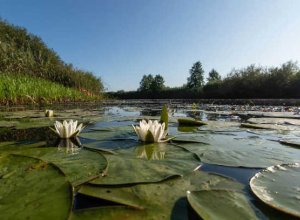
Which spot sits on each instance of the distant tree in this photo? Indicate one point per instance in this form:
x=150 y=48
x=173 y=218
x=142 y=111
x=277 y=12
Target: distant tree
x=145 y=84
x=196 y=78
x=157 y=84
x=213 y=76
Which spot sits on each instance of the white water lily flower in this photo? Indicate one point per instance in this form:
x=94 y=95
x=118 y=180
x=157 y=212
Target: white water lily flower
x=67 y=129
x=151 y=131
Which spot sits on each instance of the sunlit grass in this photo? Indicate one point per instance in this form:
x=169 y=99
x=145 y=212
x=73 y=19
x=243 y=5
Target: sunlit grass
x=22 y=89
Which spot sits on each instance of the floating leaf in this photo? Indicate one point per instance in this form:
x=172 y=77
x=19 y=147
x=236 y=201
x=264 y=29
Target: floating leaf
x=190 y=122
x=277 y=121
x=221 y=126
x=221 y=204
x=241 y=152
x=33 y=189
x=292 y=142
x=79 y=167
x=162 y=200
x=12 y=147
x=279 y=187
x=183 y=140
x=128 y=167
x=266 y=126
x=110 y=213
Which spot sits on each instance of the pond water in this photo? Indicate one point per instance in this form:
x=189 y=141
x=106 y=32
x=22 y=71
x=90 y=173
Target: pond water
x=107 y=173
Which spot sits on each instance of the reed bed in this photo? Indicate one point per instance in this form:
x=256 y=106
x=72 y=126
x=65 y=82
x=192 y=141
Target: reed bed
x=22 y=89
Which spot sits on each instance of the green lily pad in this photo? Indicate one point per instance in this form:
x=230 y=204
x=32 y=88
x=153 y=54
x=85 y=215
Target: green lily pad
x=190 y=122
x=221 y=204
x=33 y=189
x=279 y=187
x=8 y=124
x=292 y=142
x=110 y=213
x=187 y=139
x=132 y=165
x=186 y=128
x=266 y=126
x=241 y=152
x=221 y=126
x=259 y=114
x=13 y=147
x=277 y=121
x=155 y=200
x=78 y=165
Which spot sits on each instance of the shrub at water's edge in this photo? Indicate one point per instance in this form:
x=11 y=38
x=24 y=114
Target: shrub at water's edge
x=22 y=53
x=22 y=89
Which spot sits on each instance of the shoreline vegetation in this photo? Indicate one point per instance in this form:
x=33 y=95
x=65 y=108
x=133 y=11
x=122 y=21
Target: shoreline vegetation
x=21 y=89
x=252 y=82
x=32 y=73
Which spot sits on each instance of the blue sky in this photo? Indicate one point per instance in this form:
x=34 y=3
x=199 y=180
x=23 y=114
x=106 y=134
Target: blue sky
x=121 y=40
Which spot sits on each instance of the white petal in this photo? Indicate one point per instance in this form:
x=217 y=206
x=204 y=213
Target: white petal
x=142 y=134
x=79 y=128
x=158 y=134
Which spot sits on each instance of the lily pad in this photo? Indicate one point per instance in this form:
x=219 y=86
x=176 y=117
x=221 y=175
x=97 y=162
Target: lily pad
x=33 y=189
x=12 y=147
x=292 y=142
x=110 y=213
x=79 y=166
x=190 y=122
x=221 y=126
x=131 y=166
x=278 y=121
x=221 y=204
x=266 y=126
x=241 y=152
x=279 y=187
x=156 y=200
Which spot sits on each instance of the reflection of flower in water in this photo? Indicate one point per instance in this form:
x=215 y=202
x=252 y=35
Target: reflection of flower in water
x=69 y=146
x=151 y=152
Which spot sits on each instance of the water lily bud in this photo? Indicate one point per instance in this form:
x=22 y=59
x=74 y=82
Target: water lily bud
x=49 y=113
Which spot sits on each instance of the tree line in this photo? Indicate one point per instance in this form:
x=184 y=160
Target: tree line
x=250 y=82
x=26 y=54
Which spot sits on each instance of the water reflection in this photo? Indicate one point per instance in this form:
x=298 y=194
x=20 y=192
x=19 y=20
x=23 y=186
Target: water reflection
x=154 y=151
x=69 y=146
x=150 y=112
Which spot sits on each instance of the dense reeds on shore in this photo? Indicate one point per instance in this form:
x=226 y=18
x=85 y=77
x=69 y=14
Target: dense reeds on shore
x=22 y=89
x=29 y=70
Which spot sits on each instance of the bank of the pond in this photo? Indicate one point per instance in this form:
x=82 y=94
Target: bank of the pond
x=22 y=89
x=211 y=102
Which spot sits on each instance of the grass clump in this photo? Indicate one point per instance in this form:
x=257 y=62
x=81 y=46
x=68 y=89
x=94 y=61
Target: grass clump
x=22 y=89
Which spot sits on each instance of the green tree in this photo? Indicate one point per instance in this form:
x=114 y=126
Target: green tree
x=196 y=78
x=213 y=76
x=157 y=84
x=145 y=83
x=152 y=84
